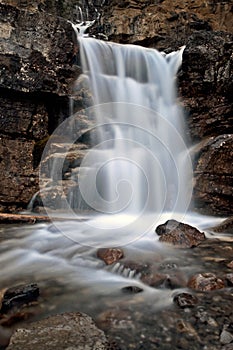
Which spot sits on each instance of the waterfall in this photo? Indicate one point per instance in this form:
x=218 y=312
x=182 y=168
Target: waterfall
x=138 y=161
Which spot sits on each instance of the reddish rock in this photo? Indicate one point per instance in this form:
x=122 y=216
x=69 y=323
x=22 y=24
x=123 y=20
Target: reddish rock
x=110 y=255
x=205 y=282
x=179 y=234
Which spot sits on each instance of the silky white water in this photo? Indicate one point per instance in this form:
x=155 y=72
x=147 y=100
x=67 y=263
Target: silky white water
x=139 y=161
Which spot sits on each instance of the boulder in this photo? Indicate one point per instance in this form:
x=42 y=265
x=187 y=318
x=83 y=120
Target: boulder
x=205 y=282
x=75 y=331
x=180 y=235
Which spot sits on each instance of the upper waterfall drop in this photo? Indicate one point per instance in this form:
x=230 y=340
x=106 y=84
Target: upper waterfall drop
x=139 y=161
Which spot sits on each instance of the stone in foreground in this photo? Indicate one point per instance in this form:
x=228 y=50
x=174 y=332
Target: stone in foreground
x=179 y=234
x=74 y=331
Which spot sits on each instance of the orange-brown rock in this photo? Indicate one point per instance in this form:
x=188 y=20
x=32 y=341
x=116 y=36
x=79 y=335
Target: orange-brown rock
x=205 y=282
x=110 y=255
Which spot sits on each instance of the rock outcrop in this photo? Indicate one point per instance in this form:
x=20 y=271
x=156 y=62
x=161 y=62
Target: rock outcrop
x=36 y=72
x=214 y=176
x=160 y=23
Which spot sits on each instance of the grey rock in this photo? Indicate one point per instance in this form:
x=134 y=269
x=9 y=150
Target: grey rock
x=67 y=331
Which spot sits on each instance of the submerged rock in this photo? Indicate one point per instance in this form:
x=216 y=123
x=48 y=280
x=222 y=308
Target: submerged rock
x=179 y=234
x=74 y=331
x=205 y=282
x=110 y=255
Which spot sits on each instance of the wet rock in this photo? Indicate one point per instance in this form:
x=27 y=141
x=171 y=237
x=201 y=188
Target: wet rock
x=226 y=337
x=155 y=279
x=179 y=234
x=172 y=280
x=5 y=335
x=184 y=300
x=213 y=176
x=17 y=296
x=229 y=279
x=230 y=264
x=227 y=347
x=225 y=227
x=186 y=327
x=132 y=289
x=205 y=282
x=66 y=331
x=110 y=255
x=139 y=22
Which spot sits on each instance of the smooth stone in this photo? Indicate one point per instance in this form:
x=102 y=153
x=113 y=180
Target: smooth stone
x=180 y=235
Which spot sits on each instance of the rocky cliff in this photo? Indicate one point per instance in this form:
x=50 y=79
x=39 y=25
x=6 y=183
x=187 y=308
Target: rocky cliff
x=37 y=71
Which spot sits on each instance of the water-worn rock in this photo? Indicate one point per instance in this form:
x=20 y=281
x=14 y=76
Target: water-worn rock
x=226 y=337
x=225 y=226
x=74 y=331
x=17 y=296
x=179 y=234
x=110 y=255
x=184 y=300
x=205 y=282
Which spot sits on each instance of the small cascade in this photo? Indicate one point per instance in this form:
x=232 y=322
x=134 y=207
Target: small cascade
x=86 y=14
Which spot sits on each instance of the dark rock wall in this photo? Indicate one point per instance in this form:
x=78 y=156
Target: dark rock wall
x=37 y=71
x=36 y=76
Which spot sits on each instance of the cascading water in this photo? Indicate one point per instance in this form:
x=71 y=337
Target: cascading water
x=140 y=161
